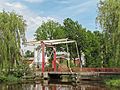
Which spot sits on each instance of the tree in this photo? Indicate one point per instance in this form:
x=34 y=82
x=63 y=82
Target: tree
x=93 y=49
x=88 y=42
x=49 y=30
x=29 y=53
x=74 y=31
x=109 y=20
x=12 y=30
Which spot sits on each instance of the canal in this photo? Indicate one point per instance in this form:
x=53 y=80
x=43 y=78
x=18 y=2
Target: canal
x=57 y=86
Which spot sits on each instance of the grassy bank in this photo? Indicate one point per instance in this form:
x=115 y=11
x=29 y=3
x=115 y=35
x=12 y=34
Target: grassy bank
x=14 y=75
x=115 y=82
x=9 y=79
x=112 y=80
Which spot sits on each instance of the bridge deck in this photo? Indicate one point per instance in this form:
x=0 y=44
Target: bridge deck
x=63 y=73
x=86 y=73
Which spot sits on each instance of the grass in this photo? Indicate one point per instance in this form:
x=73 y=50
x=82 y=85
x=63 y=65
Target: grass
x=9 y=79
x=112 y=80
x=115 y=82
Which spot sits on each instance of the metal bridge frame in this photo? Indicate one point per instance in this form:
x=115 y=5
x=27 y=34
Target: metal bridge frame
x=50 y=43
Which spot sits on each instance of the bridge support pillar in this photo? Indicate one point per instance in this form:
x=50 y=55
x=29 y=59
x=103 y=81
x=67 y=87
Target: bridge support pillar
x=45 y=75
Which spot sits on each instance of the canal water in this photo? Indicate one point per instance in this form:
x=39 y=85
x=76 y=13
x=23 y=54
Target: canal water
x=57 y=86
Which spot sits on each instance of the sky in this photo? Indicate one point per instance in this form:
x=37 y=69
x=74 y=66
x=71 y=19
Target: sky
x=37 y=11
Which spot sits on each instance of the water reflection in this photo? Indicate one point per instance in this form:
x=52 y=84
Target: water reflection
x=80 y=86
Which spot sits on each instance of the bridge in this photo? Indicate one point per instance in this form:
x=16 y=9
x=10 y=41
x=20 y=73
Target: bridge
x=58 y=69
x=78 y=74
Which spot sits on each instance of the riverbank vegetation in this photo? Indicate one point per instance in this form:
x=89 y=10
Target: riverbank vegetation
x=12 y=32
x=109 y=21
x=113 y=80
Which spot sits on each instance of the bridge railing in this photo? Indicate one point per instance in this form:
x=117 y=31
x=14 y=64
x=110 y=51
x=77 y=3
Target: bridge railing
x=78 y=69
x=96 y=69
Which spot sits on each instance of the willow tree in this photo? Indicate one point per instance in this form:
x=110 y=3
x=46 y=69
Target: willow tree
x=109 y=20
x=12 y=31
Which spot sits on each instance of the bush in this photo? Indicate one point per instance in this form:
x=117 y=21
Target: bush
x=113 y=82
x=9 y=78
x=3 y=78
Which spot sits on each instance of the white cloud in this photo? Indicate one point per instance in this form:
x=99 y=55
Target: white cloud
x=15 y=5
x=81 y=7
x=34 y=1
x=77 y=8
x=35 y=22
x=32 y=19
x=10 y=6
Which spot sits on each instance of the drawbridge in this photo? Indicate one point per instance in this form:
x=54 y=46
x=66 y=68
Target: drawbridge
x=41 y=59
x=57 y=69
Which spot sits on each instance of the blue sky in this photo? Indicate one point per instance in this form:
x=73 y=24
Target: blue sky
x=37 y=11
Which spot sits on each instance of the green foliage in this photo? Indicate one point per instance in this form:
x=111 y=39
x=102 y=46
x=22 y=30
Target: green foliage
x=9 y=78
x=14 y=75
x=88 y=42
x=101 y=49
x=93 y=49
x=3 y=78
x=112 y=80
x=49 y=30
x=29 y=53
x=109 y=20
x=12 y=30
x=74 y=31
